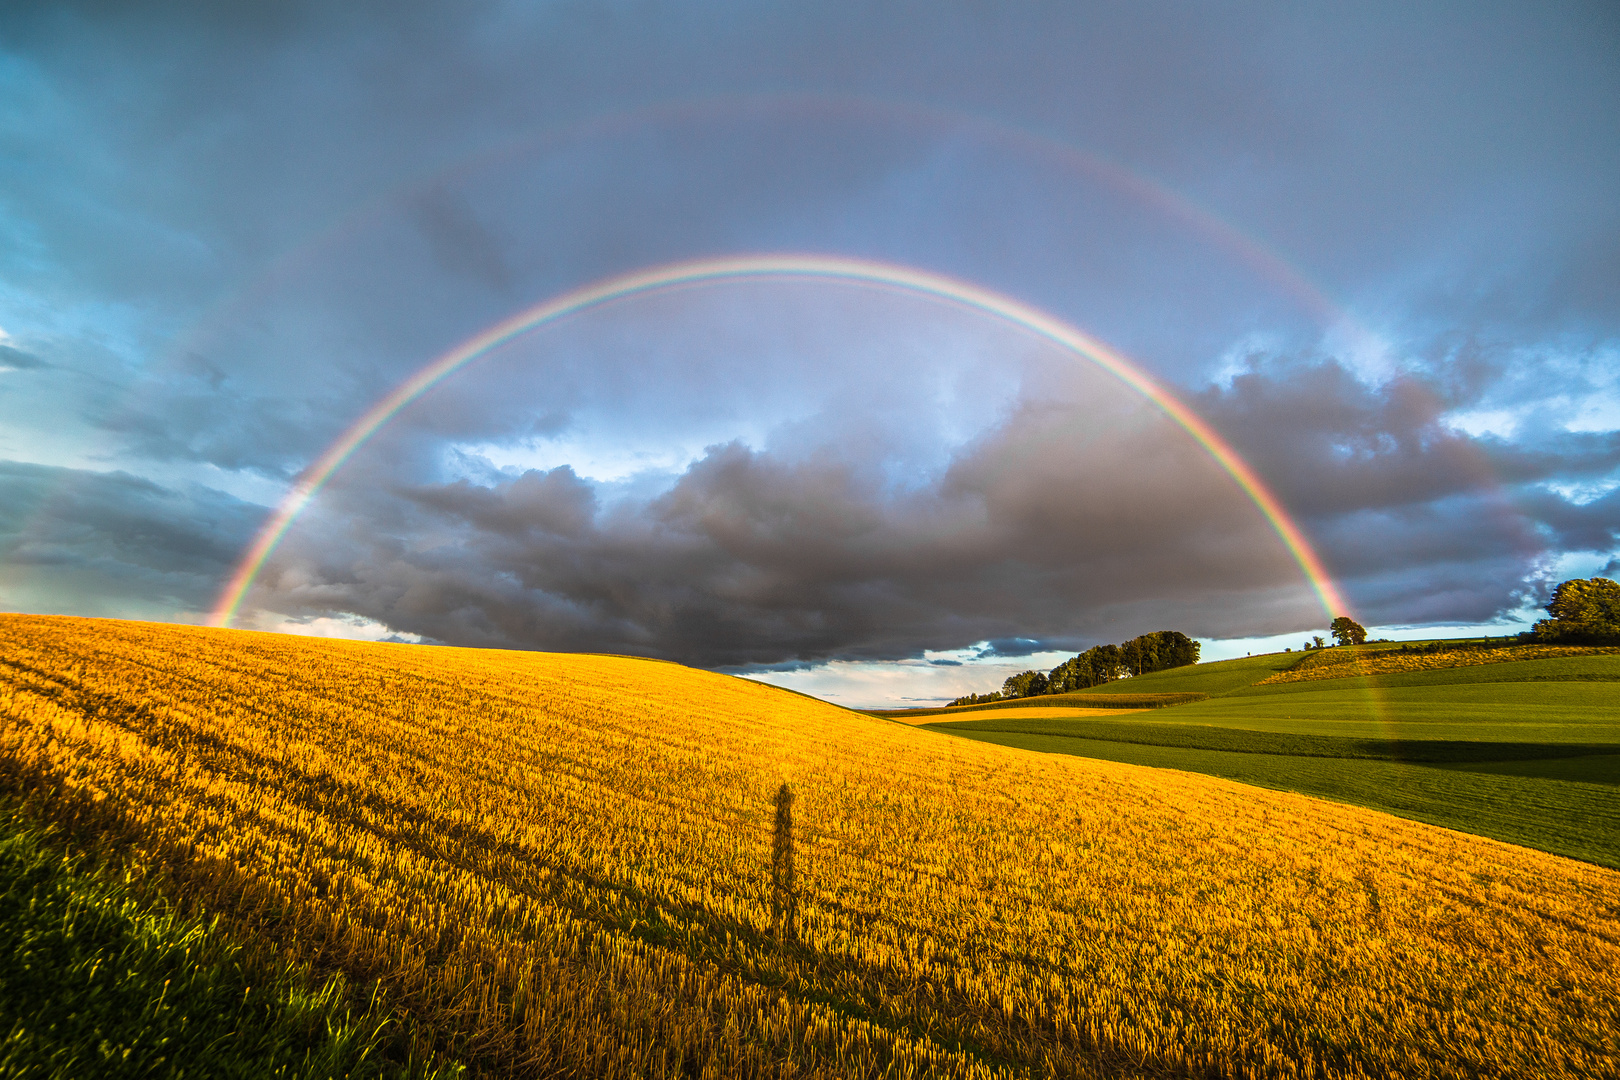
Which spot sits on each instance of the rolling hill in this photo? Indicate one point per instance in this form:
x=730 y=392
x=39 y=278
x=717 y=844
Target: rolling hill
x=563 y=864
x=1523 y=750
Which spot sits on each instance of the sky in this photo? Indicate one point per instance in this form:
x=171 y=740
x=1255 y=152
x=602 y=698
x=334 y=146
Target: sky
x=1374 y=247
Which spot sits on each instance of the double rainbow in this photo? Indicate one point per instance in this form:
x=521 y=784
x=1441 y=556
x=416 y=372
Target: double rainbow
x=854 y=271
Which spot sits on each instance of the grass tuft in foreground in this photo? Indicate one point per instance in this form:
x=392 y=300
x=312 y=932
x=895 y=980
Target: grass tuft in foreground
x=96 y=980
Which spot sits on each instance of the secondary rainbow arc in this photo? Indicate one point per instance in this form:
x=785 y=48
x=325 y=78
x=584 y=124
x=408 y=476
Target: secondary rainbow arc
x=696 y=271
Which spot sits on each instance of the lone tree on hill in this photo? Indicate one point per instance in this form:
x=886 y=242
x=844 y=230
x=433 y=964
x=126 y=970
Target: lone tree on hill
x=1584 y=611
x=1346 y=631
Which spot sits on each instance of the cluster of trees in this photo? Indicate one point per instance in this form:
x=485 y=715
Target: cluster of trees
x=1584 y=612
x=1097 y=665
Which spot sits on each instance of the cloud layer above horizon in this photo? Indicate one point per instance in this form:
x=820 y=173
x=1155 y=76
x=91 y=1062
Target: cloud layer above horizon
x=1376 y=249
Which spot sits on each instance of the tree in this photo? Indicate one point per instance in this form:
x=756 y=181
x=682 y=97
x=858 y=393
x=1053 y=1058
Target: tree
x=1585 y=611
x=1134 y=652
x=1073 y=674
x=1346 y=631
x=1097 y=665
x=1024 y=684
x=1107 y=663
x=1100 y=664
x=1138 y=656
x=1176 y=649
x=1157 y=651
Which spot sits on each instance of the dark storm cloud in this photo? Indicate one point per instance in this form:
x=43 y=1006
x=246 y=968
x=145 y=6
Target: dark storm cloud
x=114 y=544
x=1011 y=648
x=1058 y=527
x=460 y=242
x=270 y=435
x=1331 y=444
x=1032 y=539
x=1575 y=526
x=238 y=225
x=1423 y=522
x=213 y=134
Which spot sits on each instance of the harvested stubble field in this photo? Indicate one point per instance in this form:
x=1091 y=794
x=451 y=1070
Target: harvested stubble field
x=561 y=864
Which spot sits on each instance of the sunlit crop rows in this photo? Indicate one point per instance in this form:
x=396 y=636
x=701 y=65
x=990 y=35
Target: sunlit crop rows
x=563 y=863
x=1348 y=663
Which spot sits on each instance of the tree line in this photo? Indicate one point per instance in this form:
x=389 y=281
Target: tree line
x=1097 y=665
x=1583 y=612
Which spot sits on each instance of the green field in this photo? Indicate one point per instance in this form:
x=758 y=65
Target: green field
x=1085 y=699
x=99 y=980
x=1220 y=677
x=1527 y=751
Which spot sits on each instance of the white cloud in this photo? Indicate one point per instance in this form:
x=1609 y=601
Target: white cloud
x=1240 y=356
x=1501 y=423
x=1581 y=492
x=599 y=460
x=902 y=684
x=1599 y=412
x=351 y=627
x=1368 y=356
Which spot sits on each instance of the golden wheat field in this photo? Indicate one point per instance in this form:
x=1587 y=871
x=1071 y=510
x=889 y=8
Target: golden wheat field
x=1348 y=663
x=562 y=864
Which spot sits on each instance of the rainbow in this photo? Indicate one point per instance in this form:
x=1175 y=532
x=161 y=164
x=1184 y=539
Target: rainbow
x=697 y=271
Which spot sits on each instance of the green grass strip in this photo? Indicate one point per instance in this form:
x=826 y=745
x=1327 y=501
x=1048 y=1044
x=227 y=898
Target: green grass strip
x=97 y=981
x=1237 y=740
x=1078 y=700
